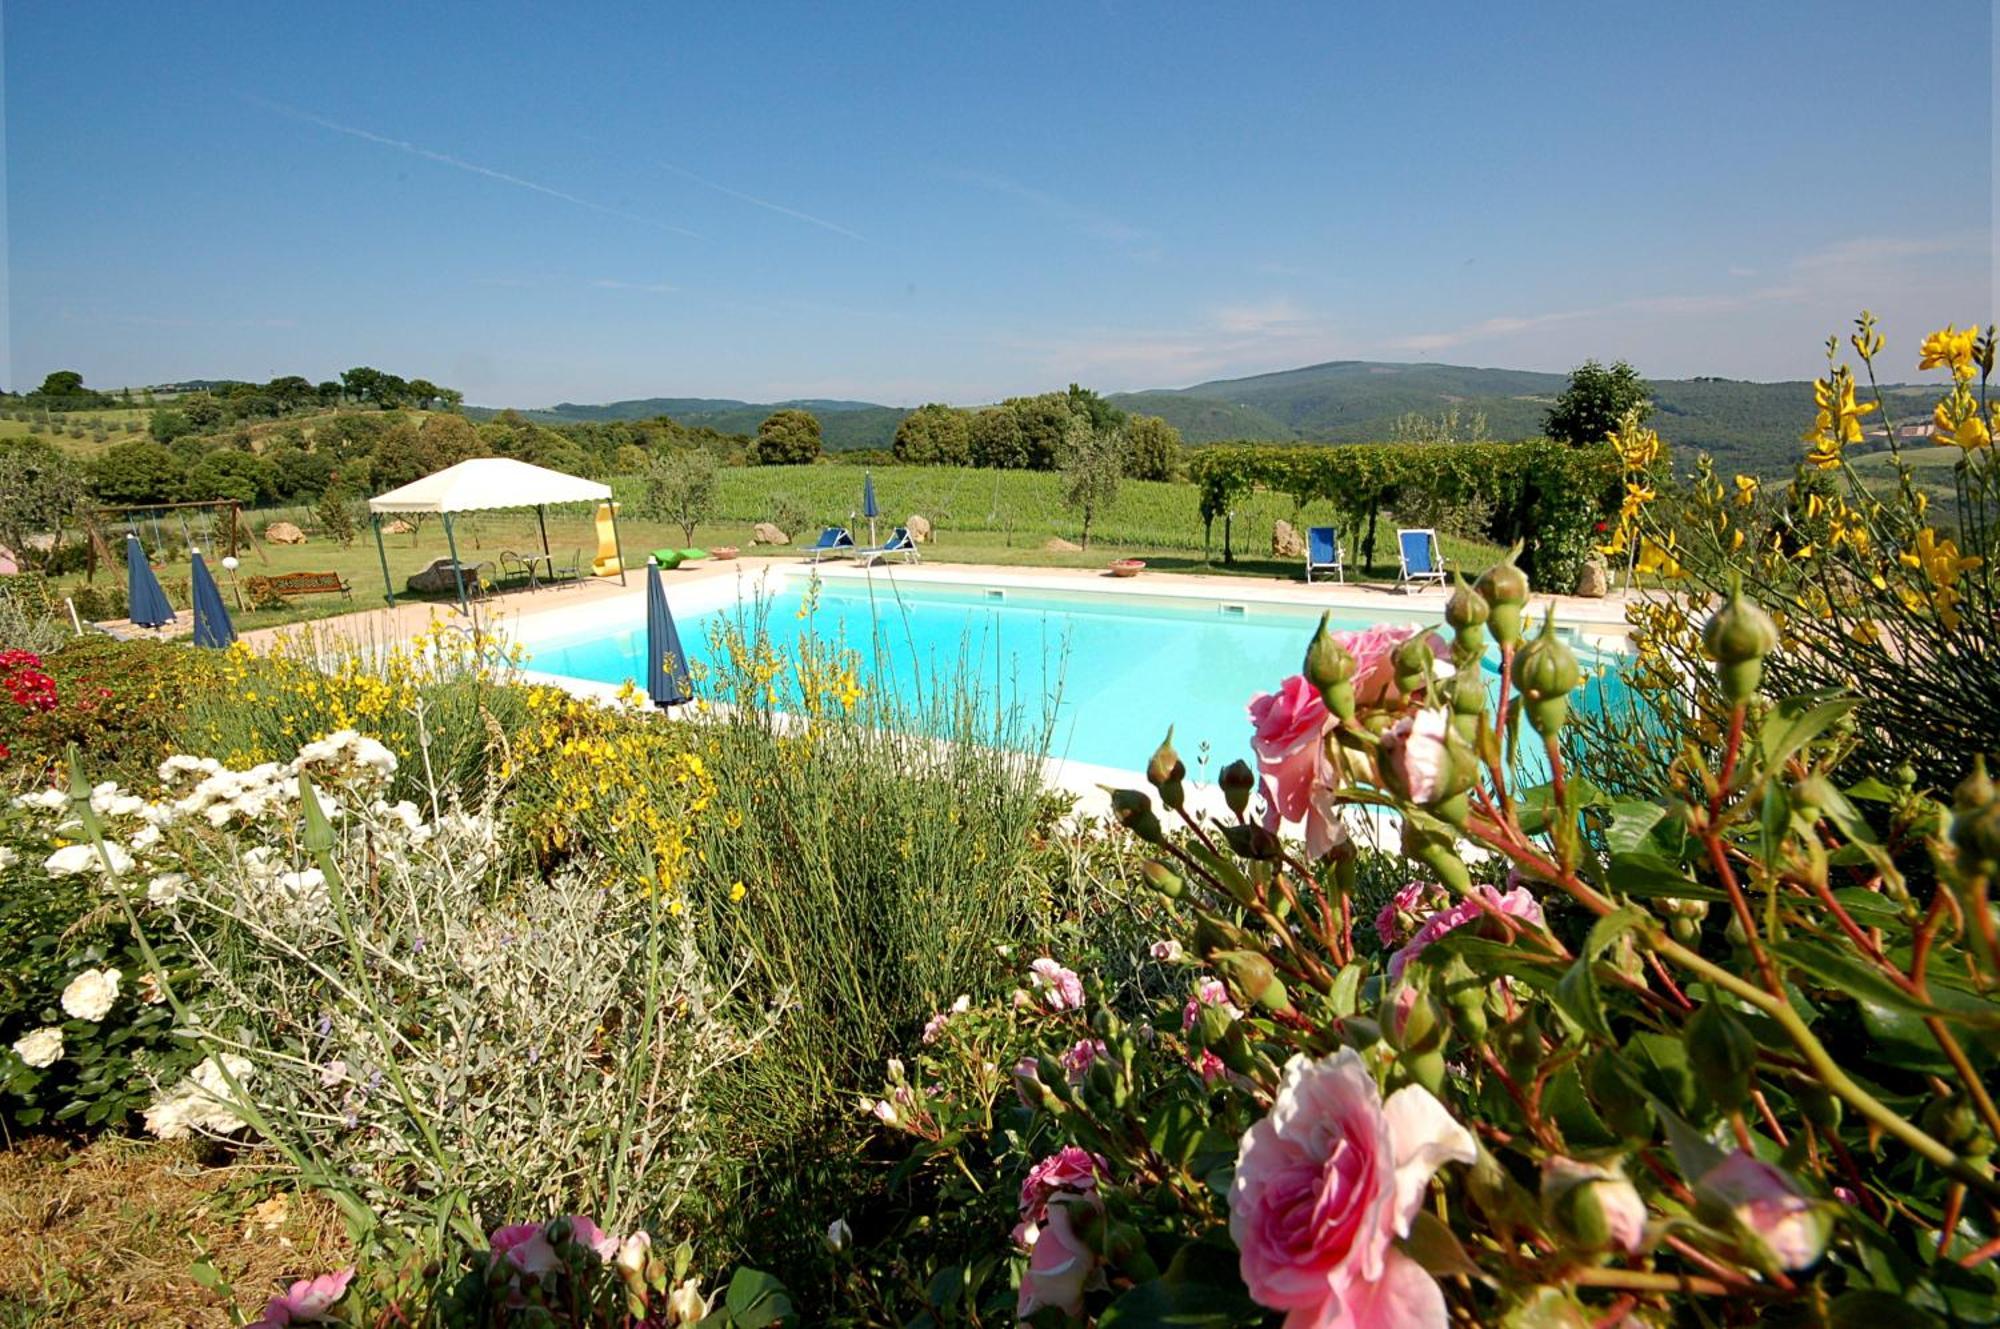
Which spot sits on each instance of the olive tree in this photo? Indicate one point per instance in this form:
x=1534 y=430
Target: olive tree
x=1092 y=461
x=681 y=488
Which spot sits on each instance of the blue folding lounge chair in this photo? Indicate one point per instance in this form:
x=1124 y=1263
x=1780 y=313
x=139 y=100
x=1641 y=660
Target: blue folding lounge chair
x=1422 y=561
x=834 y=542
x=1323 y=552
x=900 y=544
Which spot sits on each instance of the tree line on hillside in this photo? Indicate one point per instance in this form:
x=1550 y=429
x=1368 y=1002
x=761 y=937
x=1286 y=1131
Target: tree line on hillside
x=1031 y=433
x=373 y=438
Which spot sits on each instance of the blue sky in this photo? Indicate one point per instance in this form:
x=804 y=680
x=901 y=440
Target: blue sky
x=535 y=203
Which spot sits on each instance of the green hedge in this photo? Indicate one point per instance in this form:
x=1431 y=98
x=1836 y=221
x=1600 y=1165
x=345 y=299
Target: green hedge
x=1548 y=495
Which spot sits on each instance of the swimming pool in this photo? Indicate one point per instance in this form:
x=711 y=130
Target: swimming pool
x=1117 y=668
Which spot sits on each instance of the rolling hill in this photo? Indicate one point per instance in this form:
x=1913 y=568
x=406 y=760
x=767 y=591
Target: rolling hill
x=1746 y=426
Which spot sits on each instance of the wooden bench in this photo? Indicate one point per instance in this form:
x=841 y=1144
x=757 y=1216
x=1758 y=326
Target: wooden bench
x=297 y=583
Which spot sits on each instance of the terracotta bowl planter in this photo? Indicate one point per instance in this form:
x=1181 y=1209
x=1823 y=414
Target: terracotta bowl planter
x=1128 y=567
x=723 y=552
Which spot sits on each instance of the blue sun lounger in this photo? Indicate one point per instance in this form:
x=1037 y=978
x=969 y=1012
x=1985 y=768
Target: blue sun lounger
x=834 y=542
x=1323 y=552
x=900 y=544
x=1421 y=558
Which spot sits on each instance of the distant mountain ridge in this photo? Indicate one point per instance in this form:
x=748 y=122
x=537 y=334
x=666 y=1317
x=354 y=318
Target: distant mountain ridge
x=1746 y=426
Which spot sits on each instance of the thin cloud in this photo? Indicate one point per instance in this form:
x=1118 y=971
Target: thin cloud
x=1503 y=325
x=780 y=208
x=650 y=287
x=1078 y=217
x=459 y=163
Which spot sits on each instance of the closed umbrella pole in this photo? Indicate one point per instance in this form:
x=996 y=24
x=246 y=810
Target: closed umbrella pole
x=149 y=607
x=868 y=505
x=212 y=627
x=667 y=680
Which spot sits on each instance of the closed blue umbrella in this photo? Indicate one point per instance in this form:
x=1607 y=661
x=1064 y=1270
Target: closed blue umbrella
x=142 y=589
x=868 y=508
x=667 y=681
x=211 y=616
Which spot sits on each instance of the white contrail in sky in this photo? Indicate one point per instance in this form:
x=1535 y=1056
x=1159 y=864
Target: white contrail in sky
x=835 y=227
x=446 y=159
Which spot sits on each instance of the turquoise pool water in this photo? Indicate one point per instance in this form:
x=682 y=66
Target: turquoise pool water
x=1117 y=669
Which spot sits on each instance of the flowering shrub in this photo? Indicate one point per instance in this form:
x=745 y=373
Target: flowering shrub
x=116 y=701
x=455 y=1048
x=440 y=701
x=1879 y=573
x=82 y=1035
x=1597 y=1091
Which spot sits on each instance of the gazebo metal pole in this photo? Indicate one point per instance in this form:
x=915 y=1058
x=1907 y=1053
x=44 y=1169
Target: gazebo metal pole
x=618 y=542
x=542 y=520
x=457 y=568
x=388 y=587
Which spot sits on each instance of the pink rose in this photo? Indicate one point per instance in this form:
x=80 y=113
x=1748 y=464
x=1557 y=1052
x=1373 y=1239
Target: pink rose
x=1374 y=652
x=1069 y=1169
x=1768 y=1207
x=1060 y=987
x=585 y=1232
x=1325 y=1183
x=305 y=1301
x=1400 y=914
x=1324 y=826
x=1208 y=992
x=1289 y=725
x=1061 y=1268
x=1516 y=903
x=1077 y=1058
x=525 y=1247
x=1417 y=760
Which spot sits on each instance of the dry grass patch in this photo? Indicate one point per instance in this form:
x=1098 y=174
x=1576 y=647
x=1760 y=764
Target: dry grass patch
x=107 y=1233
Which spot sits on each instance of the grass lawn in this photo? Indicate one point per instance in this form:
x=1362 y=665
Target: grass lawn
x=1001 y=517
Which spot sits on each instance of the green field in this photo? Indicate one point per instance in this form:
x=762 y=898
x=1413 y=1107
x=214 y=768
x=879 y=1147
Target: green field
x=1001 y=517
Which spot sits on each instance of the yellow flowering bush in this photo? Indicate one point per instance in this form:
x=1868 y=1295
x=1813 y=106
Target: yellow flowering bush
x=438 y=700
x=1875 y=587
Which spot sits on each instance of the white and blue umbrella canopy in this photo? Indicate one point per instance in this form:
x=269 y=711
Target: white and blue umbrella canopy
x=667 y=681
x=868 y=507
x=142 y=589
x=211 y=616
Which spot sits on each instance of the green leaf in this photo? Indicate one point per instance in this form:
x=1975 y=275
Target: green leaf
x=1843 y=973
x=1693 y=1154
x=1200 y=1289
x=756 y=1299
x=1436 y=1247
x=1874 y=790
x=1576 y=996
x=1796 y=722
x=1631 y=825
x=1870 y=1309
x=1650 y=878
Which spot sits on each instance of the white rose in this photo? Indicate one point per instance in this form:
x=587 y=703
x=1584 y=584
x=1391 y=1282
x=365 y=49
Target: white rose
x=72 y=859
x=8 y=858
x=40 y=1048
x=91 y=993
x=166 y=888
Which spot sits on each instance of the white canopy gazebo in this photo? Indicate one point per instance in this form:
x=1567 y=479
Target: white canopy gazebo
x=486 y=484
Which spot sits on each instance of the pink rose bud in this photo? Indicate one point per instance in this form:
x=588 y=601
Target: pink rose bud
x=1777 y=1220
x=1592 y=1208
